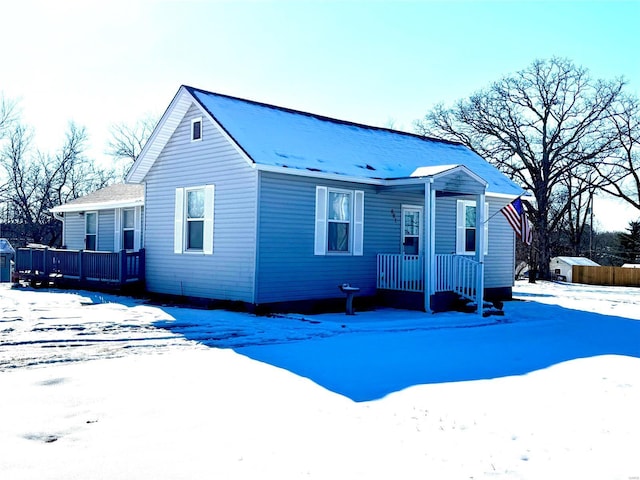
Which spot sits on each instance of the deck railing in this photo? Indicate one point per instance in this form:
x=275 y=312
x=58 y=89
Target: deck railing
x=453 y=273
x=81 y=265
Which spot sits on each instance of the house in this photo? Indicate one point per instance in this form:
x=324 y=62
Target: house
x=7 y=254
x=631 y=265
x=109 y=219
x=562 y=267
x=102 y=236
x=276 y=208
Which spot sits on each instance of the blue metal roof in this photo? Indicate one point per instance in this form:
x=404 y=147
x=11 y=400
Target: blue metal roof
x=281 y=137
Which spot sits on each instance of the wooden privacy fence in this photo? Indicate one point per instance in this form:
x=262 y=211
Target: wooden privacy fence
x=617 y=276
x=38 y=264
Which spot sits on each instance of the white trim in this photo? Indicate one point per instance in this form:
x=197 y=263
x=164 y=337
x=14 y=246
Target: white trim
x=86 y=215
x=207 y=234
x=186 y=220
x=137 y=230
x=180 y=231
x=358 y=223
x=160 y=135
x=193 y=122
x=380 y=182
x=438 y=171
x=178 y=221
x=420 y=209
x=461 y=228
x=320 y=235
x=123 y=228
x=108 y=205
x=167 y=125
x=350 y=221
x=117 y=235
x=429 y=244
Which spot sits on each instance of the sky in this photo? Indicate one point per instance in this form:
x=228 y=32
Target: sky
x=382 y=63
x=548 y=390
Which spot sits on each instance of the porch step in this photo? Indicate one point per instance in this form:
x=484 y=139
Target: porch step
x=488 y=308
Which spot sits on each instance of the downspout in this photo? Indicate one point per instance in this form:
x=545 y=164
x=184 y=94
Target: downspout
x=429 y=244
x=60 y=217
x=480 y=247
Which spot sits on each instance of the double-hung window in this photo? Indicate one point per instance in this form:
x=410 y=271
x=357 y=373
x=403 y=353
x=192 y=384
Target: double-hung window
x=195 y=219
x=339 y=221
x=128 y=228
x=467 y=229
x=91 y=231
x=193 y=226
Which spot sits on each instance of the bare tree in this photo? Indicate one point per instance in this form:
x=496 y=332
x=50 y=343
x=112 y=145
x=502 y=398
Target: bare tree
x=575 y=231
x=36 y=182
x=537 y=126
x=127 y=141
x=621 y=170
x=8 y=114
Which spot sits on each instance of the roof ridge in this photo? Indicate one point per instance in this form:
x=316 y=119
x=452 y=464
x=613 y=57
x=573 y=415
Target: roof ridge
x=323 y=117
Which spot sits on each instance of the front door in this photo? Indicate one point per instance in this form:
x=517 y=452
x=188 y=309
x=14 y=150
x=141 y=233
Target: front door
x=411 y=245
x=411 y=230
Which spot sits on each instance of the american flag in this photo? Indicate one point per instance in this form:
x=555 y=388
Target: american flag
x=517 y=218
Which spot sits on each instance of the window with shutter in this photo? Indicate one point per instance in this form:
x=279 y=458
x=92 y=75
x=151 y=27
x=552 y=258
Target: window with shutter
x=339 y=221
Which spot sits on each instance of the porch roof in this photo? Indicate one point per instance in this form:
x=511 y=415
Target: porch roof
x=119 y=195
x=454 y=179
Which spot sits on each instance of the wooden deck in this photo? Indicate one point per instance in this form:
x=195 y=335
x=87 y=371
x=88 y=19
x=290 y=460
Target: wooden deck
x=83 y=268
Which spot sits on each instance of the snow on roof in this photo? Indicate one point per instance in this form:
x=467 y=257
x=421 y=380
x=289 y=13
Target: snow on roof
x=631 y=265
x=581 y=261
x=281 y=137
x=113 y=196
x=5 y=246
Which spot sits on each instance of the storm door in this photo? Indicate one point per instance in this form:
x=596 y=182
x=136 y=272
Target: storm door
x=412 y=245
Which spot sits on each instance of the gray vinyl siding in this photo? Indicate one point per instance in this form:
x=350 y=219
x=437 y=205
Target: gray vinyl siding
x=287 y=267
x=289 y=270
x=106 y=230
x=228 y=274
x=73 y=231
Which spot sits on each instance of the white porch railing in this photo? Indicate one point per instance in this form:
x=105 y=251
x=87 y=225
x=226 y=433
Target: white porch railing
x=453 y=273
x=401 y=272
x=457 y=273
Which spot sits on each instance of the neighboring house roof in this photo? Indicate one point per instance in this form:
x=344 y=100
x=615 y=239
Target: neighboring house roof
x=580 y=261
x=114 y=196
x=631 y=265
x=291 y=141
x=5 y=246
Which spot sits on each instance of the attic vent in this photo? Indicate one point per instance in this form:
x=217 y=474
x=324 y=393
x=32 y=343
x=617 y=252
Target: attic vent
x=196 y=129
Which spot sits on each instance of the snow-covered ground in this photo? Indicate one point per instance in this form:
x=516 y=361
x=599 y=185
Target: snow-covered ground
x=106 y=387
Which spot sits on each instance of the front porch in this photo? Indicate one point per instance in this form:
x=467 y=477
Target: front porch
x=458 y=274
x=441 y=256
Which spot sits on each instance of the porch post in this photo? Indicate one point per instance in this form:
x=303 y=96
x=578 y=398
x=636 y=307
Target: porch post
x=429 y=242
x=481 y=227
